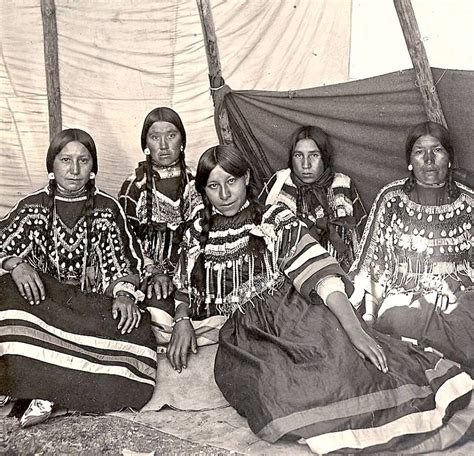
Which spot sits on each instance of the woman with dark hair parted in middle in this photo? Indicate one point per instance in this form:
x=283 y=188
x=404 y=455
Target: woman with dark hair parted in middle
x=159 y=198
x=292 y=357
x=325 y=200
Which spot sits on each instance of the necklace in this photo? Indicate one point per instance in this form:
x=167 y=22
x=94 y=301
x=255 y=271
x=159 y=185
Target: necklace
x=167 y=172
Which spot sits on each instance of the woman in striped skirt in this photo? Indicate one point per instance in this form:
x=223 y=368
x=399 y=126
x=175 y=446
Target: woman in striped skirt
x=293 y=357
x=71 y=329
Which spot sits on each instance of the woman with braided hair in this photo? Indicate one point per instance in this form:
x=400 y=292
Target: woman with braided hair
x=415 y=268
x=159 y=199
x=293 y=357
x=71 y=330
x=327 y=201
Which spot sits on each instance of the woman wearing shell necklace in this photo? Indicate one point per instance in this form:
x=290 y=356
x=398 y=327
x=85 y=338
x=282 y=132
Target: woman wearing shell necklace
x=71 y=330
x=159 y=198
x=293 y=358
x=415 y=266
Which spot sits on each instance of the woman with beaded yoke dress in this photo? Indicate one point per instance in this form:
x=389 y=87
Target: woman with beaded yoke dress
x=416 y=263
x=159 y=199
x=327 y=201
x=71 y=330
x=293 y=358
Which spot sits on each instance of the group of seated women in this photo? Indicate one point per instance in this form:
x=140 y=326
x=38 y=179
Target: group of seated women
x=88 y=281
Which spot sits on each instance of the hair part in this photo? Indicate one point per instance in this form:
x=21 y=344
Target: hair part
x=321 y=139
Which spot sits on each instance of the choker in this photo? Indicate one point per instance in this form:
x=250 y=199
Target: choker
x=167 y=172
x=421 y=184
x=67 y=194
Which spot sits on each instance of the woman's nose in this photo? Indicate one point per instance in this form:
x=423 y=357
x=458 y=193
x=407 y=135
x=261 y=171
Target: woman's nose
x=224 y=193
x=74 y=167
x=429 y=156
x=306 y=163
x=163 y=143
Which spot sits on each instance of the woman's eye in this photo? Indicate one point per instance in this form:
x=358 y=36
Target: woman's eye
x=65 y=159
x=171 y=135
x=84 y=160
x=231 y=180
x=297 y=155
x=212 y=186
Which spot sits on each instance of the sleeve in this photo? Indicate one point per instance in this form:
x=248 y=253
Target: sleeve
x=372 y=268
x=359 y=213
x=128 y=198
x=304 y=261
x=121 y=256
x=17 y=231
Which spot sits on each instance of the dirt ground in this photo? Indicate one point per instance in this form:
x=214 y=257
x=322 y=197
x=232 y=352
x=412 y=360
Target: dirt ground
x=93 y=435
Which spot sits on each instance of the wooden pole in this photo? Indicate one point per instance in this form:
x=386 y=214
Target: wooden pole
x=215 y=74
x=424 y=76
x=51 y=60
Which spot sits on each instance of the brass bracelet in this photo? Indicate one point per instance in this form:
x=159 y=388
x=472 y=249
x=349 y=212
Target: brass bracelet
x=16 y=264
x=126 y=294
x=181 y=319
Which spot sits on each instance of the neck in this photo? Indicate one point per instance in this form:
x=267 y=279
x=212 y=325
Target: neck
x=424 y=185
x=71 y=193
x=430 y=195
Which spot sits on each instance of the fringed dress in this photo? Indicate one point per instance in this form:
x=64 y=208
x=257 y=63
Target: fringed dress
x=415 y=261
x=333 y=211
x=159 y=237
x=68 y=349
x=286 y=364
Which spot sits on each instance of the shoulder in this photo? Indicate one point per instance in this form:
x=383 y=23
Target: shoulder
x=33 y=202
x=278 y=214
x=135 y=182
x=390 y=192
x=465 y=190
x=106 y=202
x=341 y=180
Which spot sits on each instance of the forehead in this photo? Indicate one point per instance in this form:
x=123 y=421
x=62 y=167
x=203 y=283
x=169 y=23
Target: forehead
x=306 y=145
x=74 y=148
x=426 y=141
x=162 y=127
x=218 y=174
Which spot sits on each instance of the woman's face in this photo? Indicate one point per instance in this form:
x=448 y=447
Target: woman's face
x=72 y=166
x=164 y=141
x=307 y=161
x=430 y=160
x=226 y=192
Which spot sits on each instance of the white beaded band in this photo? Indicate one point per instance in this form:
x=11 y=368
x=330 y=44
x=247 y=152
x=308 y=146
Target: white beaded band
x=181 y=319
x=128 y=288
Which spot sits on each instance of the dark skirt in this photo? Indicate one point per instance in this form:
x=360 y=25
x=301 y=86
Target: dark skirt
x=452 y=334
x=68 y=350
x=290 y=369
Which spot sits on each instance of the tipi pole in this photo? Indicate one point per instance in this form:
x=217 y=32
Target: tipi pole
x=50 y=41
x=424 y=76
x=215 y=74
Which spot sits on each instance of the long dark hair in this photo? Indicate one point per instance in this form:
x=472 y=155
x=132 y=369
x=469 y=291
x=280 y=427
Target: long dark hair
x=59 y=141
x=163 y=114
x=318 y=136
x=232 y=162
x=441 y=133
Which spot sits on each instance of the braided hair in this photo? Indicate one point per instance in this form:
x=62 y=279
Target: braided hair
x=163 y=114
x=439 y=132
x=57 y=144
x=234 y=163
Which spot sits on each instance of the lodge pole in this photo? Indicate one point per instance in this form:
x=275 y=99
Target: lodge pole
x=215 y=74
x=51 y=61
x=421 y=65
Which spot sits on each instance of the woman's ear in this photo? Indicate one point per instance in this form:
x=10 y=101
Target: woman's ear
x=247 y=177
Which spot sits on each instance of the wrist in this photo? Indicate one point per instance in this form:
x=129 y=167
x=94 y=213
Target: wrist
x=125 y=294
x=181 y=319
x=11 y=267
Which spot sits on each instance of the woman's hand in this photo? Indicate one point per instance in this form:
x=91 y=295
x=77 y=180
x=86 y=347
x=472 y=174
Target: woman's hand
x=367 y=347
x=129 y=312
x=27 y=281
x=183 y=338
x=162 y=284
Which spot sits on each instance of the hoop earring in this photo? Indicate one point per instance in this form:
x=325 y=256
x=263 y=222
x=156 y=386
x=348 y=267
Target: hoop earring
x=92 y=176
x=147 y=151
x=51 y=176
x=410 y=167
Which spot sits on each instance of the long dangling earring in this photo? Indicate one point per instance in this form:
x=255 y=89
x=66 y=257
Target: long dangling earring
x=410 y=167
x=147 y=151
x=92 y=175
x=51 y=176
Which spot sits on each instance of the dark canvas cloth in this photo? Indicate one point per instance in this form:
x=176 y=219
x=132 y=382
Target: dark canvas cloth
x=367 y=120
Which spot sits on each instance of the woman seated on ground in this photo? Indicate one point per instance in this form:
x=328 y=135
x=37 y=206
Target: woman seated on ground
x=293 y=366
x=158 y=199
x=72 y=333
x=415 y=265
x=326 y=201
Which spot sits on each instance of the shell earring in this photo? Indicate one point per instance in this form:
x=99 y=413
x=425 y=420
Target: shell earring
x=92 y=176
x=51 y=176
x=181 y=148
x=146 y=151
x=449 y=165
x=410 y=167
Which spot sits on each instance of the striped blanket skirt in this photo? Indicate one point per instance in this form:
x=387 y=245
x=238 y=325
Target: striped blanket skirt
x=68 y=350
